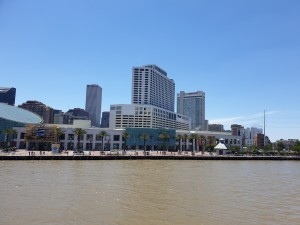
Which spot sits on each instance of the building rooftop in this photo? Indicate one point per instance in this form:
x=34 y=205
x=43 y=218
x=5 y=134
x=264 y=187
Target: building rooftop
x=13 y=113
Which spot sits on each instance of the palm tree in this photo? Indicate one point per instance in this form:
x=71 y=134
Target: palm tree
x=125 y=136
x=193 y=137
x=58 y=132
x=79 y=132
x=211 y=141
x=102 y=134
x=9 y=134
x=202 y=140
x=165 y=137
x=185 y=137
x=179 y=137
x=144 y=137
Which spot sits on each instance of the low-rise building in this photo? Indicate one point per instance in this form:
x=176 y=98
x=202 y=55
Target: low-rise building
x=146 y=116
x=113 y=139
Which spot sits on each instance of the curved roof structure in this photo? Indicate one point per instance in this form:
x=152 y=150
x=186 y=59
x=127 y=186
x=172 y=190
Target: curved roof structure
x=16 y=114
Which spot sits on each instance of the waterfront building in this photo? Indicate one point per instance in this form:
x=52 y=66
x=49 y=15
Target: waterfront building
x=12 y=117
x=151 y=140
x=93 y=103
x=105 y=120
x=152 y=86
x=146 y=116
x=192 y=104
x=7 y=95
x=113 y=140
x=40 y=109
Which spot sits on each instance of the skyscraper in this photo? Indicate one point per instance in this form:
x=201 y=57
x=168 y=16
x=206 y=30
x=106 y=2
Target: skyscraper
x=192 y=105
x=8 y=95
x=151 y=86
x=105 y=120
x=93 y=103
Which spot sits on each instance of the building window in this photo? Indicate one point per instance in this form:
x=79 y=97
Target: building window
x=116 y=137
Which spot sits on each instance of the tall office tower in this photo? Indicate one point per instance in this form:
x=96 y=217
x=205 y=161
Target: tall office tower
x=105 y=120
x=93 y=103
x=193 y=105
x=40 y=109
x=151 y=86
x=8 y=95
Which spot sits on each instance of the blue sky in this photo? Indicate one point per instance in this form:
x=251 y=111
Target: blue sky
x=245 y=55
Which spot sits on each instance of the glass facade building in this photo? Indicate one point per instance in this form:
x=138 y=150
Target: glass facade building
x=192 y=105
x=152 y=141
x=105 y=120
x=11 y=116
x=93 y=103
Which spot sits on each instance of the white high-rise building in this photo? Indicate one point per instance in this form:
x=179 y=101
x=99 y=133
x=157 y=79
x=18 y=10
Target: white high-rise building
x=250 y=134
x=192 y=104
x=93 y=103
x=151 y=86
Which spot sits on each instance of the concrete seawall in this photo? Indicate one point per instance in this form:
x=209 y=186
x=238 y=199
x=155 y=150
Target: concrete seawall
x=130 y=157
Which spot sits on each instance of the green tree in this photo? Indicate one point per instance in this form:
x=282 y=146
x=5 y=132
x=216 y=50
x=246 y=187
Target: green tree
x=9 y=136
x=280 y=146
x=164 y=137
x=102 y=134
x=235 y=149
x=179 y=137
x=202 y=143
x=296 y=147
x=125 y=136
x=58 y=132
x=211 y=145
x=80 y=133
x=144 y=137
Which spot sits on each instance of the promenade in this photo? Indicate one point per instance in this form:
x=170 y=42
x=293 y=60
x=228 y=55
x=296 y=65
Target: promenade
x=21 y=154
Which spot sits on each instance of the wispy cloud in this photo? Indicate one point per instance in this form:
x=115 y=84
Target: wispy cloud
x=245 y=120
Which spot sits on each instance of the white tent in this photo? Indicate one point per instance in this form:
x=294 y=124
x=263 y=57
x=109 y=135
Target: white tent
x=221 y=148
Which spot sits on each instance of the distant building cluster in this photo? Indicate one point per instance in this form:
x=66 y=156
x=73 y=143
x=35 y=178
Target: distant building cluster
x=152 y=107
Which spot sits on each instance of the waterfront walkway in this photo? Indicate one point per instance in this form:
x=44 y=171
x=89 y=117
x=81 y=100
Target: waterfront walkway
x=21 y=154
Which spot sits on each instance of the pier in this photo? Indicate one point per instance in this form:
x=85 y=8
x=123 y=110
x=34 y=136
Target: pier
x=132 y=155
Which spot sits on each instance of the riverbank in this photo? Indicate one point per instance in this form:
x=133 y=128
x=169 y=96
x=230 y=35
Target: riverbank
x=131 y=155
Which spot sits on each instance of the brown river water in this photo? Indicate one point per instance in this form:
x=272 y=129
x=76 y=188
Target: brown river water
x=144 y=192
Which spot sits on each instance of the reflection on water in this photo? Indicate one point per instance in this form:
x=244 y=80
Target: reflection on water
x=149 y=192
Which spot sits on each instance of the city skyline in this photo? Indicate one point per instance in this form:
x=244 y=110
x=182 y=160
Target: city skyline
x=243 y=55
